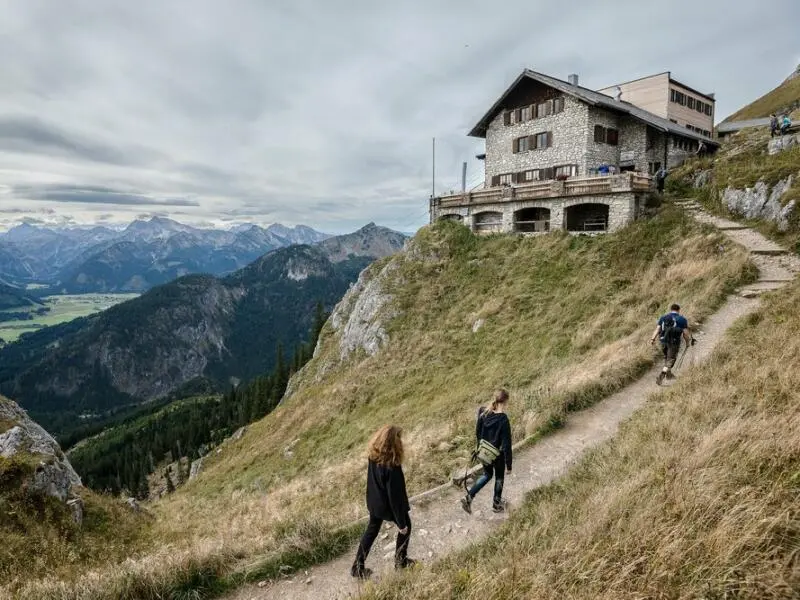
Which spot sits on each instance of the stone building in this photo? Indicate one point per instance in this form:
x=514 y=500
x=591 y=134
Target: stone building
x=561 y=156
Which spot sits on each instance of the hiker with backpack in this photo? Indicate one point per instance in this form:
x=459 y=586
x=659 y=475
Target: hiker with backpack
x=493 y=432
x=387 y=499
x=671 y=329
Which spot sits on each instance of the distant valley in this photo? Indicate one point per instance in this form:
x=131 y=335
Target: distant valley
x=197 y=333
x=144 y=254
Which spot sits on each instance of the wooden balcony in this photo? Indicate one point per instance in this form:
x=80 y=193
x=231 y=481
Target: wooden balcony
x=577 y=186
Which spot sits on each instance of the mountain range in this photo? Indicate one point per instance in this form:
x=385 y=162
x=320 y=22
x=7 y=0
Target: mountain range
x=144 y=254
x=200 y=331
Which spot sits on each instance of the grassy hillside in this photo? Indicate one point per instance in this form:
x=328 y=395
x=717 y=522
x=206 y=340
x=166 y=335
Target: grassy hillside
x=695 y=498
x=38 y=536
x=741 y=162
x=564 y=322
x=785 y=97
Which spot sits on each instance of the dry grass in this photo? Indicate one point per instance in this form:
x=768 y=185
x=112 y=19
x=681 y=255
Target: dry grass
x=695 y=498
x=784 y=97
x=566 y=320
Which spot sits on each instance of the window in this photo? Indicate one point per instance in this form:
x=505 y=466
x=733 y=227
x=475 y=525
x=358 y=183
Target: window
x=507 y=118
x=543 y=109
x=708 y=109
x=565 y=171
x=690 y=102
x=677 y=97
x=653 y=167
x=542 y=140
x=521 y=144
x=526 y=113
x=606 y=135
x=506 y=179
x=674 y=121
x=700 y=106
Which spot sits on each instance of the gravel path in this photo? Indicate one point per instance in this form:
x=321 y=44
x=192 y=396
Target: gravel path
x=440 y=526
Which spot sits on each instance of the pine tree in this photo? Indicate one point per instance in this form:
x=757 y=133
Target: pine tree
x=181 y=477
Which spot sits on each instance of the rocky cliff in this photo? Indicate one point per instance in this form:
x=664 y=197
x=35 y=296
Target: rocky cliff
x=41 y=466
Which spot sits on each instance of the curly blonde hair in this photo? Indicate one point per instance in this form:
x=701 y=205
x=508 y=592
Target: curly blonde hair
x=386 y=446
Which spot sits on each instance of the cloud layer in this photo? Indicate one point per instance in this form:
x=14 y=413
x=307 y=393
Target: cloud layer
x=317 y=112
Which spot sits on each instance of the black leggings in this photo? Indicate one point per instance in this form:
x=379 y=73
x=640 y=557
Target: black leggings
x=373 y=529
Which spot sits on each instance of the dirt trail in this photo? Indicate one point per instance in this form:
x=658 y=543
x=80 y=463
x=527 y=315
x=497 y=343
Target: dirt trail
x=440 y=526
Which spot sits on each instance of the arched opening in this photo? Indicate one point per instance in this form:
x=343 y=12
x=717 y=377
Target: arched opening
x=452 y=217
x=587 y=217
x=536 y=219
x=487 y=222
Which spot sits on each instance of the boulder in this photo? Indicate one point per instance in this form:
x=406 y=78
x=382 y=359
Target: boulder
x=53 y=474
x=781 y=143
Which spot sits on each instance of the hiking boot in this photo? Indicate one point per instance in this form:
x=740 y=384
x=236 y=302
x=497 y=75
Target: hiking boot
x=405 y=564
x=660 y=378
x=360 y=572
x=466 y=504
x=670 y=376
x=500 y=506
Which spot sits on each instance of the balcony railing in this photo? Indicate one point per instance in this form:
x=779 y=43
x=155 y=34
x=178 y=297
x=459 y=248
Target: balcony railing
x=578 y=186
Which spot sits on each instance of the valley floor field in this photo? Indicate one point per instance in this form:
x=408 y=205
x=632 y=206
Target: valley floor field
x=439 y=525
x=62 y=309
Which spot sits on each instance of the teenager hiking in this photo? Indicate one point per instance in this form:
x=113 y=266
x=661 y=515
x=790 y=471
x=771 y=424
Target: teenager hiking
x=671 y=328
x=493 y=432
x=387 y=499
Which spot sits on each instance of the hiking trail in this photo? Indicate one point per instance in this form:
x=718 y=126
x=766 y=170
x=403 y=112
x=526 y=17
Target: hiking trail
x=439 y=526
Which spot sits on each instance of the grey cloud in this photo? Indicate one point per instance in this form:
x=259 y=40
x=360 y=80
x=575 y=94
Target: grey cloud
x=95 y=195
x=264 y=111
x=33 y=136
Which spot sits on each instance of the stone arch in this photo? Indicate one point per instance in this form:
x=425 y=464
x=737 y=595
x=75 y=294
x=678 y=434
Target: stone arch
x=451 y=217
x=488 y=221
x=532 y=219
x=586 y=216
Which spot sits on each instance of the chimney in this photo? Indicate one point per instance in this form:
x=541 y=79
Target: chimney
x=573 y=79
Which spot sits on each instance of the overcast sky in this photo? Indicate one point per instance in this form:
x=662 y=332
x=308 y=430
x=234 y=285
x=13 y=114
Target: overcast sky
x=318 y=112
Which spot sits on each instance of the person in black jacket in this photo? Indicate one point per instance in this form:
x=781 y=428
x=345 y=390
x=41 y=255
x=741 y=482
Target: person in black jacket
x=494 y=427
x=387 y=499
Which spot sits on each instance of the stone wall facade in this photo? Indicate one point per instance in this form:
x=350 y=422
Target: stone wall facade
x=623 y=208
x=596 y=153
x=569 y=141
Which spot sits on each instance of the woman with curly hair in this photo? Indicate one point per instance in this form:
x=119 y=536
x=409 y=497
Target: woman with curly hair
x=387 y=499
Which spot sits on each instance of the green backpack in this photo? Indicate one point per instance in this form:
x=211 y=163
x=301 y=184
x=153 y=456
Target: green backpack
x=487 y=453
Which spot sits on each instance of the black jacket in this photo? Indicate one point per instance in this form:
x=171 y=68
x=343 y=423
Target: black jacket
x=495 y=428
x=386 y=494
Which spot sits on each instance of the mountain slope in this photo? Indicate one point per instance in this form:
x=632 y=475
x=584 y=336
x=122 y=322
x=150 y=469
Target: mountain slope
x=696 y=497
x=420 y=340
x=198 y=327
x=144 y=254
x=784 y=98
x=14 y=297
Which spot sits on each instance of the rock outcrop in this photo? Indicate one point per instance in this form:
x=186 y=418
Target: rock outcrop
x=781 y=143
x=20 y=437
x=761 y=202
x=363 y=313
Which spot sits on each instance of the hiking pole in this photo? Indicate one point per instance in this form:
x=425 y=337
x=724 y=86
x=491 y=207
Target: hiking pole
x=685 y=351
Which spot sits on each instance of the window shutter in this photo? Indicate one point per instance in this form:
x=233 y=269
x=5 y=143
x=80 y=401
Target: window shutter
x=515 y=145
x=532 y=142
x=549 y=139
x=533 y=111
x=507 y=118
x=612 y=137
x=549 y=173
x=495 y=180
x=518 y=115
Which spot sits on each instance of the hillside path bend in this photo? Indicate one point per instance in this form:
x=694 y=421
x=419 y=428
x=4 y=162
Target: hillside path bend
x=439 y=524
